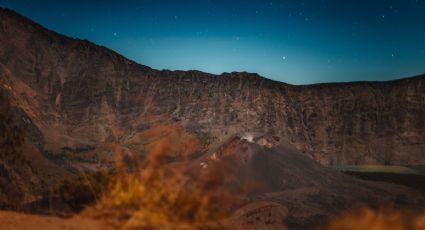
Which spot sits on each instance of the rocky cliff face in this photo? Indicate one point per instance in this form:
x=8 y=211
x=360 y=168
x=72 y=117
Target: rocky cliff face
x=80 y=95
x=75 y=97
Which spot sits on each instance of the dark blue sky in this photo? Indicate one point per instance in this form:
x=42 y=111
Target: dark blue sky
x=297 y=42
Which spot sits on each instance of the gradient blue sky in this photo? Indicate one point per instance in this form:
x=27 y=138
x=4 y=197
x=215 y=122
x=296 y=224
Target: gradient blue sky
x=298 y=42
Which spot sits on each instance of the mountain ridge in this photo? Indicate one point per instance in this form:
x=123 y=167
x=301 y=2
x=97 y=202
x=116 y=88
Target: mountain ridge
x=80 y=73
x=86 y=42
x=74 y=98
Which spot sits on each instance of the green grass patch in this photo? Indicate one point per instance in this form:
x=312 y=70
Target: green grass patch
x=410 y=176
x=413 y=170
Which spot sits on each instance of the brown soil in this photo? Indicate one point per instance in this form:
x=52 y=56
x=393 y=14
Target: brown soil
x=18 y=221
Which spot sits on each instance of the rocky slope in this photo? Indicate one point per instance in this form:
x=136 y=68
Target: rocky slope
x=73 y=98
x=291 y=187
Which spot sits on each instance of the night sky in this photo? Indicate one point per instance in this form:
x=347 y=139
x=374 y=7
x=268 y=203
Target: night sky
x=298 y=42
